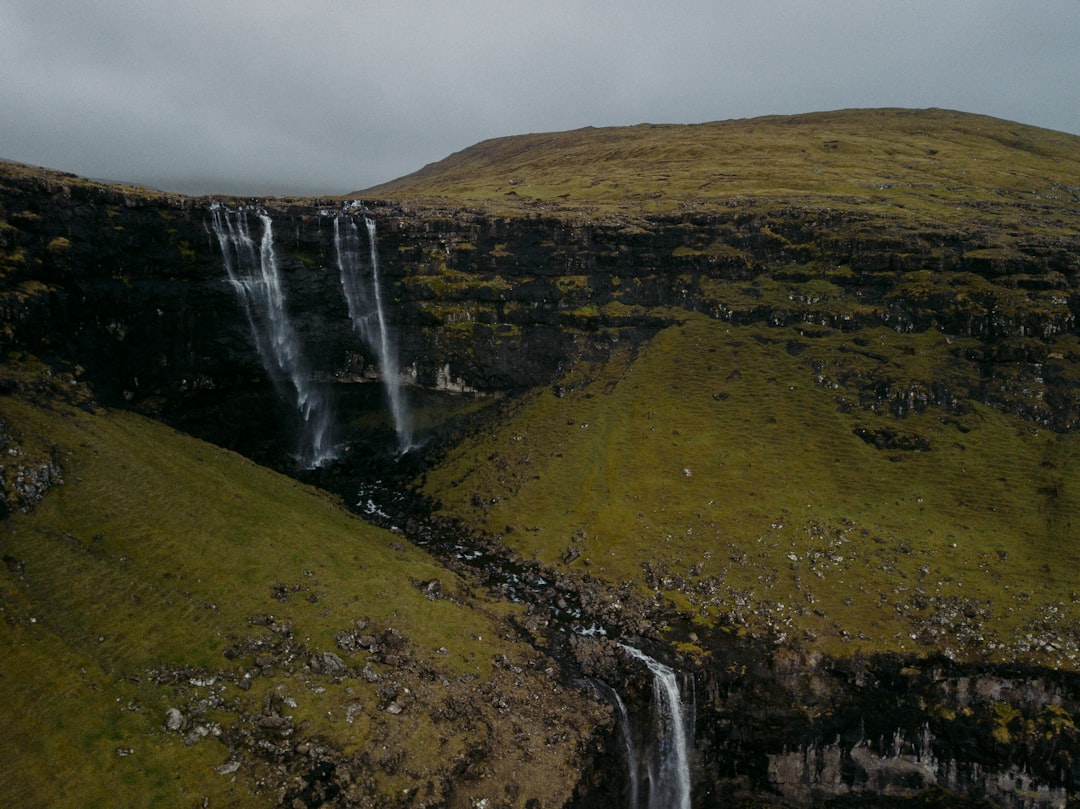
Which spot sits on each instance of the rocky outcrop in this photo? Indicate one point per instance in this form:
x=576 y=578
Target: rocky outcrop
x=264 y=741
x=894 y=727
x=817 y=731
x=24 y=478
x=31 y=464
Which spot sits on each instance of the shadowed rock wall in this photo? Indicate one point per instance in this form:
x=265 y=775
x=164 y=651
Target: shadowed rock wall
x=131 y=286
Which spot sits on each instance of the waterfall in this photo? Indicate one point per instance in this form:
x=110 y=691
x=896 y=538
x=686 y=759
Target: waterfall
x=369 y=315
x=631 y=752
x=253 y=273
x=667 y=764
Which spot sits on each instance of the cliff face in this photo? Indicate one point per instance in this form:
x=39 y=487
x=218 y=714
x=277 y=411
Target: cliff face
x=131 y=286
x=868 y=731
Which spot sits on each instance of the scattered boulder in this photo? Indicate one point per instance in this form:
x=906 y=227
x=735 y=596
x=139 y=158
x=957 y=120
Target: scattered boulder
x=229 y=767
x=348 y=640
x=328 y=663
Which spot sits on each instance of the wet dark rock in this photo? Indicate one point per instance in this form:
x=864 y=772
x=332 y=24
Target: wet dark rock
x=17 y=567
x=319 y=786
x=167 y=335
x=893 y=439
x=814 y=729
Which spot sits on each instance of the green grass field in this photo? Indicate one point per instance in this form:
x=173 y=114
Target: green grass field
x=138 y=584
x=715 y=469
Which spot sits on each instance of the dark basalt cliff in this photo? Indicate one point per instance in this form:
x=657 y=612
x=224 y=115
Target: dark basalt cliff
x=131 y=286
x=871 y=731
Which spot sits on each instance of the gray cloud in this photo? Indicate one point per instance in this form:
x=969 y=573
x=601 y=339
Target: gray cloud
x=330 y=96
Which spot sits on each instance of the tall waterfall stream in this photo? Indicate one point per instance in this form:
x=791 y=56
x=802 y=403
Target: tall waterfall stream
x=253 y=273
x=363 y=294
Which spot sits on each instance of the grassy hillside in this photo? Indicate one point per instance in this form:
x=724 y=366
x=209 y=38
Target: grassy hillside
x=165 y=573
x=727 y=473
x=836 y=486
x=923 y=163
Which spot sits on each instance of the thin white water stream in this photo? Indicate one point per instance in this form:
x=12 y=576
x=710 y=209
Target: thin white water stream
x=363 y=295
x=629 y=750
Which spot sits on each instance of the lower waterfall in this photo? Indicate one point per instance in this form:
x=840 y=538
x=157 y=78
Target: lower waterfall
x=254 y=274
x=630 y=751
x=663 y=763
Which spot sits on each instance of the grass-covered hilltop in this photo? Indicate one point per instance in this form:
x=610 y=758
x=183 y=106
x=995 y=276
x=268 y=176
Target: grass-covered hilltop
x=792 y=403
x=922 y=166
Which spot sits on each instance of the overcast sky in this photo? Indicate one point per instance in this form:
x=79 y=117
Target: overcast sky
x=329 y=96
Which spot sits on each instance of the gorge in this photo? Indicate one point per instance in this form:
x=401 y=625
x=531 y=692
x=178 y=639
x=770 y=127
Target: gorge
x=782 y=416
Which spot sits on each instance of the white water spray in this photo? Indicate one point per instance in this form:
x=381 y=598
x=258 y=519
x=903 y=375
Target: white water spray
x=667 y=763
x=629 y=749
x=254 y=275
x=369 y=316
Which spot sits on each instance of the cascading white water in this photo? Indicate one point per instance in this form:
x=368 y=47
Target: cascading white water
x=631 y=751
x=369 y=317
x=254 y=275
x=667 y=763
